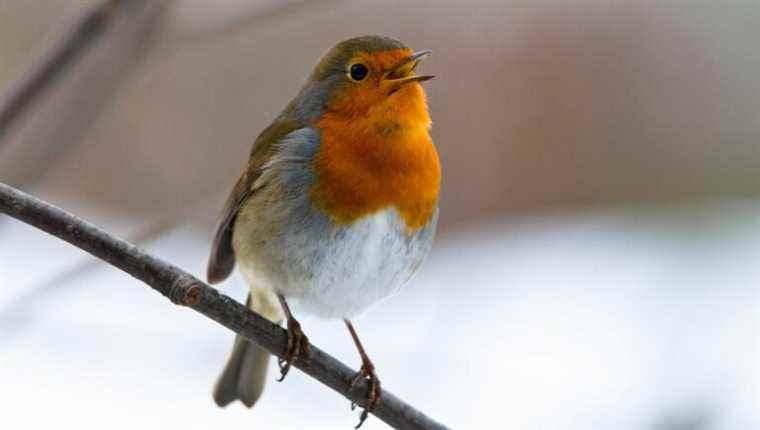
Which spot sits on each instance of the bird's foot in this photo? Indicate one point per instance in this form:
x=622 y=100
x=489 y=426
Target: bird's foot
x=297 y=347
x=367 y=373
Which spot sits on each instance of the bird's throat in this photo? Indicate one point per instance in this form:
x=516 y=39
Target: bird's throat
x=384 y=159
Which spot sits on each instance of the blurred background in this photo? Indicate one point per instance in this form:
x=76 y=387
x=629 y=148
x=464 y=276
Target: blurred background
x=597 y=261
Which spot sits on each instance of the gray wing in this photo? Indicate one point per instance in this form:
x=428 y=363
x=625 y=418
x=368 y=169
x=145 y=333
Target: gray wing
x=222 y=260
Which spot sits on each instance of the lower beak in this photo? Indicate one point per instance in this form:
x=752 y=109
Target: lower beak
x=404 y=72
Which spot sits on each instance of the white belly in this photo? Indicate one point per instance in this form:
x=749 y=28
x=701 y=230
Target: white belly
x=332 y=271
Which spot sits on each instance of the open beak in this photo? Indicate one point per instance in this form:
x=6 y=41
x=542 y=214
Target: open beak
x=404 y=72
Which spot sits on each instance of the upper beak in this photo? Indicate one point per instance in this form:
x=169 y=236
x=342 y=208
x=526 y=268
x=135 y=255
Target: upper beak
x=403 y=73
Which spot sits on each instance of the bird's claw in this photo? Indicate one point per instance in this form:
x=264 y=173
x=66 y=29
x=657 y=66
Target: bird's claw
x=297 y=347
x=367 y=373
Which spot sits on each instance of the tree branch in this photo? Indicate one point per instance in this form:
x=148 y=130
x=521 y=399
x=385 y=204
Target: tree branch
x=184 y=289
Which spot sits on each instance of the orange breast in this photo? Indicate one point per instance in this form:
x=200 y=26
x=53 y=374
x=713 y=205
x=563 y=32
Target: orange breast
x=384 y=158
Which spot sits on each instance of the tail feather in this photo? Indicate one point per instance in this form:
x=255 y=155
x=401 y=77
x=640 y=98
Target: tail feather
x=244 y=375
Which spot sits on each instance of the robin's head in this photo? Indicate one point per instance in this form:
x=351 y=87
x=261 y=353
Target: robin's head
x=363 y=75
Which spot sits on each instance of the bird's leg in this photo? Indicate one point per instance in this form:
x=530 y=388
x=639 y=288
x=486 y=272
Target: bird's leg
x=366 y=372
x=298 y=343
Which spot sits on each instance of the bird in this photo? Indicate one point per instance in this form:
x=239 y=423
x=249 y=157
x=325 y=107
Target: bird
x=337 y=207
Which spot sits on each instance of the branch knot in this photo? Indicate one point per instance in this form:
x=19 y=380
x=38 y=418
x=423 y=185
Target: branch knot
x=185 y=291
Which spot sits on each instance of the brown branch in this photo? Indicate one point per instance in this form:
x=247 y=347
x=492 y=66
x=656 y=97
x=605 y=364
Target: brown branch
x=184 y=289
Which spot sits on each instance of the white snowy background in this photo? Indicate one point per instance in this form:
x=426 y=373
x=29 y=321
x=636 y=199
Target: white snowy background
x=643 y=318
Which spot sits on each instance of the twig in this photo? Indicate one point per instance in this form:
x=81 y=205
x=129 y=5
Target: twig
x=184 y=289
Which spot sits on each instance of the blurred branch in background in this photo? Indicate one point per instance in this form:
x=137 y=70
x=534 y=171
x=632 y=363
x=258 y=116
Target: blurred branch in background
x=110 y=33
x=184 y=289
x=196 y=21
x=78 y=73
x=185 y=21
x=23 y=93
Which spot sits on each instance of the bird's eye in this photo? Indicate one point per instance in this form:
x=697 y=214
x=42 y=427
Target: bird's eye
x=358 y=71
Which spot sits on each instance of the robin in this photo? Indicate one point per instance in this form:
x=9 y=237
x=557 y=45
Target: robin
x=337 y=207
